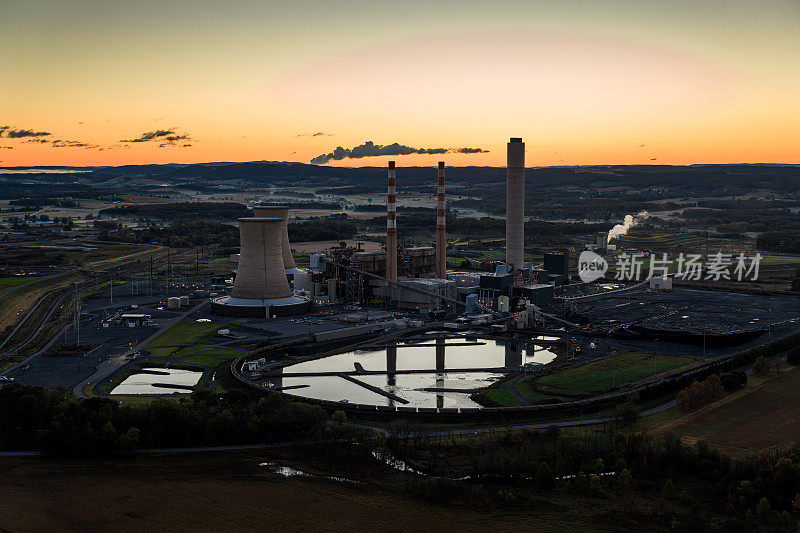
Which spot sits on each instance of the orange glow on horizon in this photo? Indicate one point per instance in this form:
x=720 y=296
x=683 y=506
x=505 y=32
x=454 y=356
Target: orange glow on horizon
x=681 y=84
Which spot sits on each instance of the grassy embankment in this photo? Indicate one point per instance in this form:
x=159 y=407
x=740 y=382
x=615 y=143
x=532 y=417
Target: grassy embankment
x=609 y=373
x=15 y=281
x=590 y=379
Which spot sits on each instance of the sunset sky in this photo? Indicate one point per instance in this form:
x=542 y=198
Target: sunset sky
x=584 y=82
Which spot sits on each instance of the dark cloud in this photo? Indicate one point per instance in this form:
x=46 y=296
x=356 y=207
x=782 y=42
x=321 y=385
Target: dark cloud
x=61 y=143
x=315 y=134
x=38 y=141
x=150 y=136
x=19 y=134
x=164 y=138
x=7 y=147
x=369 y=149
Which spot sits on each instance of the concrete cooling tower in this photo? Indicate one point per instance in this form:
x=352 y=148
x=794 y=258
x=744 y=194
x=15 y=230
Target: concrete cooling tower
x=282 y=212
x=260 y=288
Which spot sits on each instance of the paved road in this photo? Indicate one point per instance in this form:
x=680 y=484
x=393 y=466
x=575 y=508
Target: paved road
x=113 y=364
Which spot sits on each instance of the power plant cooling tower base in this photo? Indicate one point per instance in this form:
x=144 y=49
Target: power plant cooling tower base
x=255 y=308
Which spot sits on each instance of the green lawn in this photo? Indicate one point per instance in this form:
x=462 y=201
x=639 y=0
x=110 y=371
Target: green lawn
x=531 y=395
x=13 y=281
x=769 y=260
x=211 y=357
x=184 y=332
x=503 y=397
x=596 y=377
x=658 y=240
x=301 y=260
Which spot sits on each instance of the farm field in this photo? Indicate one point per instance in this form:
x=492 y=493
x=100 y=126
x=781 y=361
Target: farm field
x=765 y=415
x=597 y=377
x=231 y=492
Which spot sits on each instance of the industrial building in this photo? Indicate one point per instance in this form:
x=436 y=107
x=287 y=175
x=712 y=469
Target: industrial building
x=406 y=298
x=557 y=266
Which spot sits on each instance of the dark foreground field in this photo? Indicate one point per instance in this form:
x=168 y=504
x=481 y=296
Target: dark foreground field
x=230 y=491
x=762 y=417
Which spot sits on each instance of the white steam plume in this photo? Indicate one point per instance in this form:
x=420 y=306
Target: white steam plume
x=629 y=222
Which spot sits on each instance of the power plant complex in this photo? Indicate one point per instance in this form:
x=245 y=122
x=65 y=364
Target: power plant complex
x=269 y=284
x=390 y=329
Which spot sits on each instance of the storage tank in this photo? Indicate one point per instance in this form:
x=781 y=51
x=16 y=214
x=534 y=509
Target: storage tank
x=302 y=281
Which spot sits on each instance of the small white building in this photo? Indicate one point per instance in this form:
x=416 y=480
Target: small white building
x=133 y=320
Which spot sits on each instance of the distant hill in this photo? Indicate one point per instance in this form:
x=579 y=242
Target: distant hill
x=728 y=179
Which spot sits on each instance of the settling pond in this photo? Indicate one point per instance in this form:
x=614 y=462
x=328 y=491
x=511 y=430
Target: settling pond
x=158 y=381
x=431 y=373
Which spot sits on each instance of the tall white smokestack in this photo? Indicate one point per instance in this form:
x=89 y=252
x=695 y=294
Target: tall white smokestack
x=441 y=231
x=391 y=226
x=515 y=203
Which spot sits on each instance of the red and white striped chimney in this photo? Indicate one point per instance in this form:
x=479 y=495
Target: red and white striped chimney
x=441 y=231
x=391 y=226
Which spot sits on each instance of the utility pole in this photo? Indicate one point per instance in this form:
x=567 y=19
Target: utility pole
x=169 y=277
x=77 y=316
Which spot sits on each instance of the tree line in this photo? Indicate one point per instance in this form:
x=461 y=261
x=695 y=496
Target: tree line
x=60 y=425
